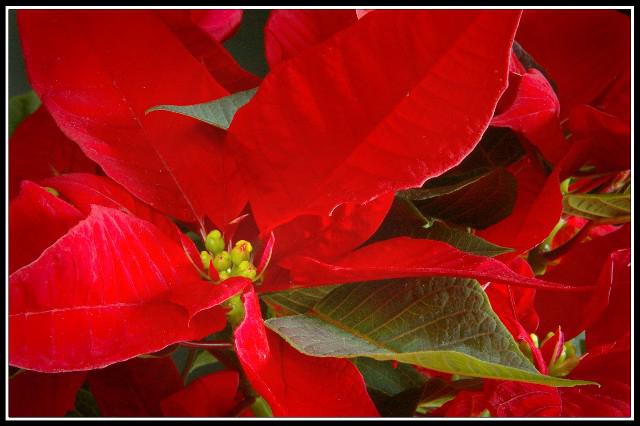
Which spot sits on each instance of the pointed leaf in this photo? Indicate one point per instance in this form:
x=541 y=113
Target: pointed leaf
x=407 y=257
x=462 y=240
x=445 y=324
x=448 y=67
x=37 y=219
x=80 y=64
x=275 y=369
x=598 y=206
x=100 y=294
x=218 y=113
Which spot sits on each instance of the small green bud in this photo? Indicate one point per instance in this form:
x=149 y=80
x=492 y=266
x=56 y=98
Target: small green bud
x=214 y=242
x=244 y=269
x=241 y=252
x=571 y=350
x=52 y=191
x=222 y=261
x=205 y=257
x=224 y=275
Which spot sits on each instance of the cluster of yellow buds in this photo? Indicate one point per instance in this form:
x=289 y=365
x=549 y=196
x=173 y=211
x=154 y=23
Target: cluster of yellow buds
x=233 y=263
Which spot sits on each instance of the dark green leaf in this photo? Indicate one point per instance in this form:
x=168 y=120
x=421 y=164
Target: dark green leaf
x=445 y=324
x=598 y=206
x=86 y=405
x=462 y=240
x=218 y=113
x=299 y=301
x=20 y=107
x=479 y=204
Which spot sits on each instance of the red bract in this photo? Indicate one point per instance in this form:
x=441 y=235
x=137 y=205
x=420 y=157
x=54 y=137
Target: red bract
x=282 y=375
x=359 y=106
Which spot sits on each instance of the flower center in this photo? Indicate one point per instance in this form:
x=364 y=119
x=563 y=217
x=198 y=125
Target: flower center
x=236 y=262
x=563 y=358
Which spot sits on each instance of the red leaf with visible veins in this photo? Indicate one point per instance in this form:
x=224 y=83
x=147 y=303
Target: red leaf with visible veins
x=351 y=124
x=582 y=50
x=536 y=212
x=200 y=31
x=407 y=257
x=134 y=388
x=213 y=395
x=37 y=219
x=116 y=65
x=99 y=295
x=535 y=114
x=516 y=399
x=33 y=394
x=38 y=149
x=588 y=263
x=84 y=190
x=289 y=32
x=294 y=384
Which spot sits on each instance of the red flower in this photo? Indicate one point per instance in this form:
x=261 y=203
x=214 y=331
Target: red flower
x=307 y=170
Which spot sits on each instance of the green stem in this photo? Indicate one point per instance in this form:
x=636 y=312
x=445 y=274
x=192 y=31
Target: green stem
x=260 y=408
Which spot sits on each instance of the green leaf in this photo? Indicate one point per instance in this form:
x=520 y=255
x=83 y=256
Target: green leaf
x=299 y=301
x=204 y=364
x=447 y=185
x=218 y=113
x=598 y=206
x=396 y=390
x=445 y=324
x=462 y=240
x=86 y=405
x=479 y=204
x=20 y=107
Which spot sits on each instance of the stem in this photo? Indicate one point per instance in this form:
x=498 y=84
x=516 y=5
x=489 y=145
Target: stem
x=207 y=345
x=260 y=408
x=559 y=251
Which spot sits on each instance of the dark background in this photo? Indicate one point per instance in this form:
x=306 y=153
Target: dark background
x=246 y=46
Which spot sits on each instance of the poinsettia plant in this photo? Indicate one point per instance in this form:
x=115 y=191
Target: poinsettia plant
x=415 y=213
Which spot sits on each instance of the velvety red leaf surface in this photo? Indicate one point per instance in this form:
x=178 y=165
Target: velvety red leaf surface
x=118 y=64
x=294 y=384
x=213 y=395
x=617 y=100
x=327 y=237
x=201 y=32
x=38 y=149
x=448 y=66
x=536 y=212
x=407 y=257
x=99 y=295
x=289 y=32
x=587 y=264
x=582 y=50
x=37 y=219
x=33 y=394
x=516 y=399
x=134 y=388
x=534 y=113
